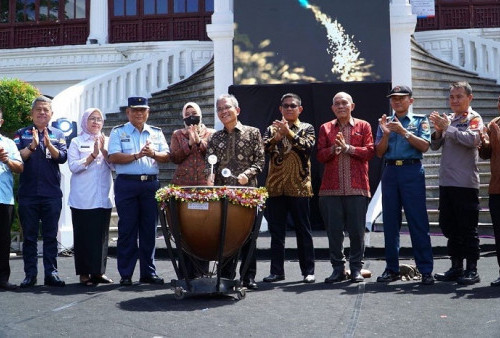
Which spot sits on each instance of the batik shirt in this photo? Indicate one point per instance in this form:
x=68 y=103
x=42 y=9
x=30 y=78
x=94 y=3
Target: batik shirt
x=240 y=151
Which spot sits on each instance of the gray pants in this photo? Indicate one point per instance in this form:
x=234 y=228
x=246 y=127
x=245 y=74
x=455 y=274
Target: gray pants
x=345 y=213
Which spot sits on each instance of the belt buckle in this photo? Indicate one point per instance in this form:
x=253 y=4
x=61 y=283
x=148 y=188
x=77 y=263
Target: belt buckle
x=144 y=178
x=399 y=162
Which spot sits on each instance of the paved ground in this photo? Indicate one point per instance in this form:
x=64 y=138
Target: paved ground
x=285 y=309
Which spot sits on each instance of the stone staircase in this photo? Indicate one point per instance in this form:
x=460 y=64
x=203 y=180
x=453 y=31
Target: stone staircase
x=431 y=78
x=166 y=108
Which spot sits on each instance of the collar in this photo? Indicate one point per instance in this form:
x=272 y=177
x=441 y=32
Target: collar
x=408 y=115
x=87 y=136
x=464 y=114
x=238 y=127
x=129 y=128
x=351 y=122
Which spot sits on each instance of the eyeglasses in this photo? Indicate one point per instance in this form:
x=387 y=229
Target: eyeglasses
x=95 y=119
x=221 y=109
x=286 y=106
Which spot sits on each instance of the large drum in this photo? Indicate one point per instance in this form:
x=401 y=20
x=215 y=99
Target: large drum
x=199 y=214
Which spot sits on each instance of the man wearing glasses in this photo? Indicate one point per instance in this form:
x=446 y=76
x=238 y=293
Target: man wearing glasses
x=136 y=148
x=289 y=143
x=238 y=148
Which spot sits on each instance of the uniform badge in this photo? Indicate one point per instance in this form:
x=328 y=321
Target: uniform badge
x=425 y=126
x=474 y=123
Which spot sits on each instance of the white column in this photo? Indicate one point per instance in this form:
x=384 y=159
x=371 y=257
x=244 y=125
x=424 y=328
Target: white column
x=402 y=27
x=221 y=31
x=98 y=27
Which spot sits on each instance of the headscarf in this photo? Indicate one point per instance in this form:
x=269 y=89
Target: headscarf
x=191 y=104
x=85 y=118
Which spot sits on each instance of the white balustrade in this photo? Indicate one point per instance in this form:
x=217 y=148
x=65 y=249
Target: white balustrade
x=464 y=49
x=109 y=91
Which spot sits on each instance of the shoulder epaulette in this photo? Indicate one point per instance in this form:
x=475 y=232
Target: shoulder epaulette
x=121 y=125
x=157 y=128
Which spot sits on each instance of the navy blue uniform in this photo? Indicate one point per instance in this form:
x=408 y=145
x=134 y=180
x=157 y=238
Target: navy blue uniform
x=403 y=186
x=135 y=189
x=40 y=198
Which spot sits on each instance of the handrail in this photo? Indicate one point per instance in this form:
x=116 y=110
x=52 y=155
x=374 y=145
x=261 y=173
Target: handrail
x=465 y=50
x=109 y=91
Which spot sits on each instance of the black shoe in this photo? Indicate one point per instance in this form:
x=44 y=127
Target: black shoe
x=470 y=277
x=388 y=276
x=126 y=281
x=451 y=275
x=28 y=282
x=496 y=282
x=356 y=276
x=152 y=279
x=337 y=275
x=250 y=284
x=427 y=279
x=54 y=280
x=7 y=286
x=273 y=278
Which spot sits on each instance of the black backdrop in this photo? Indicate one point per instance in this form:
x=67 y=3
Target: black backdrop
x=259 y=107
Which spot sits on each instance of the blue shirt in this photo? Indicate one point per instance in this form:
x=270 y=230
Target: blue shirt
x=41 y=176
x=128 y=139
x=6 y=178
x=398 y=147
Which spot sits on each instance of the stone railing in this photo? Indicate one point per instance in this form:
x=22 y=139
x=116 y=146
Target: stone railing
x=110 y=91
x=464 y=49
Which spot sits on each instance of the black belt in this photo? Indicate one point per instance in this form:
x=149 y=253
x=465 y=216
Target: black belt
x=142 y=178
x=402 y=162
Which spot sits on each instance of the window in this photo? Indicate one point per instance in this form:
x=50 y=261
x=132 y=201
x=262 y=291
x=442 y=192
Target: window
x=209 y=5
x=75 y=9
x=183 y=6
x=49 y=10
x=25 y=10
x=4 y=11
x=125 y=7
x=152 y=7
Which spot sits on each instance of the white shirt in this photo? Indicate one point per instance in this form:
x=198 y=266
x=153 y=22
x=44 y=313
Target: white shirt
x=90 y=185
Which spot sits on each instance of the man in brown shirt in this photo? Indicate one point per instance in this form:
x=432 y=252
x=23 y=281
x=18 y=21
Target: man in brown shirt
x=490 y=149
x=289 y=143
x=238 y=148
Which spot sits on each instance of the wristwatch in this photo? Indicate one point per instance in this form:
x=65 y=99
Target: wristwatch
x=407 y=135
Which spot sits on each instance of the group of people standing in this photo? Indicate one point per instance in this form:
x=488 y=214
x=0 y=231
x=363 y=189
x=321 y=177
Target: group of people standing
x=345 y=145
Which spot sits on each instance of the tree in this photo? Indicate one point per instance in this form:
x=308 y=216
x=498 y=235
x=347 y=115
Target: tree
x=16 y=97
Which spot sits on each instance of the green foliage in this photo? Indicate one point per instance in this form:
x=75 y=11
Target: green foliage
x=15 y=100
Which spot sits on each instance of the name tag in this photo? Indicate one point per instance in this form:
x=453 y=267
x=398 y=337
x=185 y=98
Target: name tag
x=197 y=206
x=84 y=147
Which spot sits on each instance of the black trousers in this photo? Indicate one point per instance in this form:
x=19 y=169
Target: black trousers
x=458 y=220
x=277 y=209
x=90 y=237
x=6 y=213
x=494 y=204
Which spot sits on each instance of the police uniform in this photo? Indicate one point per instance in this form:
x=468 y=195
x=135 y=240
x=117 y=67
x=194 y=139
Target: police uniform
x=40 y=198
x=135 y=187
x=403 y=185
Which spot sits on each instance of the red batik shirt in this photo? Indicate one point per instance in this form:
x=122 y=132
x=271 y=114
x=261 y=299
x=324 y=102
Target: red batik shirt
x=345 y=173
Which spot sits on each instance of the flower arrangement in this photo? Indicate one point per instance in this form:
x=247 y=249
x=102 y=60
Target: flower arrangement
x=246 y=197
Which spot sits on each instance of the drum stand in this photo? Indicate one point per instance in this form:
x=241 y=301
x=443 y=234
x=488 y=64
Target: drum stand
x=205 y=285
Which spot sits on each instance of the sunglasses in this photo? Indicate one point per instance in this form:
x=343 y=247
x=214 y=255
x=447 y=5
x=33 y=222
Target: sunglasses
x=286 y=106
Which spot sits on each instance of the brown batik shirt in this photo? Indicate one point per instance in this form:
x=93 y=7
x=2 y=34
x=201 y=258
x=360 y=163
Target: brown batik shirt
x=290 y=161
x=240 y=151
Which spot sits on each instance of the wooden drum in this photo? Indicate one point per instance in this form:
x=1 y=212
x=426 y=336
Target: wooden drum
x=200 y=221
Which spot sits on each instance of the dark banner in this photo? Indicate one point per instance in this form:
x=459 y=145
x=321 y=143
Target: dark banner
x=260 y=106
